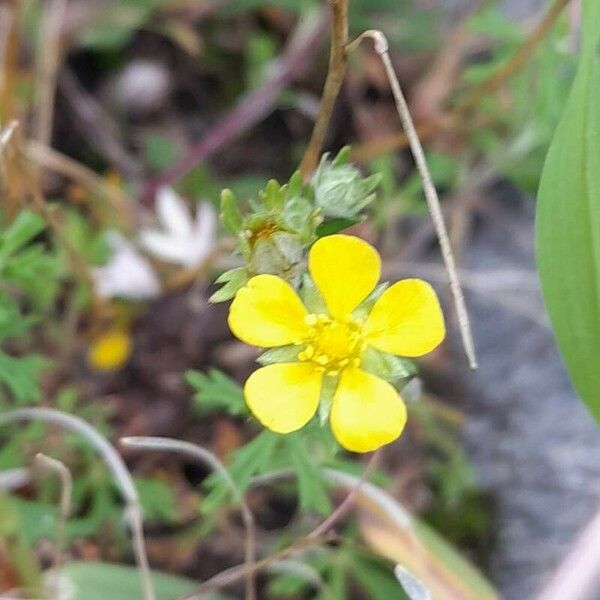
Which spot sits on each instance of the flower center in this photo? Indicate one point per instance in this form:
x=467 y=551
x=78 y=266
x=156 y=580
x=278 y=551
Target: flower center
x=332 y=345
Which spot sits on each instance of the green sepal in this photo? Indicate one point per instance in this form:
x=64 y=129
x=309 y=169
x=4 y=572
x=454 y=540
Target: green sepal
x=387 y=366
x=311 y=296
x=297 y=214
x=327 y=391
x=234 y=280
x=273 y=196
x=230 y=215
x=282 y=354
x=363 y=310
x=332 y=226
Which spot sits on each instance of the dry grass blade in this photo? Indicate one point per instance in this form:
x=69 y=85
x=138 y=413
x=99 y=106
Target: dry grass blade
x=48 y=64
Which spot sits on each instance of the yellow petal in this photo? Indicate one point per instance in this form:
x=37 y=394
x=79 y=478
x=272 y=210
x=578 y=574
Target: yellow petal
x=267 y=312
x=346 y=270
x=406 y=320
x=284 y=396
x=367 y=412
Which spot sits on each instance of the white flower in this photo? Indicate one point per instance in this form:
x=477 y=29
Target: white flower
x=183 y=240
x=127 y=274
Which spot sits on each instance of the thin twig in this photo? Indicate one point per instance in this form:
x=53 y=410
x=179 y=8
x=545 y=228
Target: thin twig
x=431 y=196
x=252 y=107
x=118 y=469
x=317 y=535
x=346 y=505
x=234 y=574
x=58 y=468
x=517 y=61
x=49 y=158
x=48 y=64
x=333 y=83
x=206 y=457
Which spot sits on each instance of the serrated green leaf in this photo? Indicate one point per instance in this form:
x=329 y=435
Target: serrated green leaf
x=215 y=391
x=312 y=490
x=157 y=499
x=230 y=215
x=568 y=222
x=12 y=323
x=21 y=376
x=246 y=462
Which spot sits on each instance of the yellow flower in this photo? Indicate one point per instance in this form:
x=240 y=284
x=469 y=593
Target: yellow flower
x=406 y=320
x=110 y=351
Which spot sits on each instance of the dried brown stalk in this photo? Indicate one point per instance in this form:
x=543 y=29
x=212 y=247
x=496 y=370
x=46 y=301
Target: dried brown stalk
x=333 y=83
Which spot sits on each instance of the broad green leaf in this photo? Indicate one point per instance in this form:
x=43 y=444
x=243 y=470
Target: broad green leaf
x=98 y=581
x=568 y=222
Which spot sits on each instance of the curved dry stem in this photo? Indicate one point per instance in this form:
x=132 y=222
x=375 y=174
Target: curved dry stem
x=116 y=466
x=431 y=196
x=206 y=457
x=514 y=64
x=56 y=467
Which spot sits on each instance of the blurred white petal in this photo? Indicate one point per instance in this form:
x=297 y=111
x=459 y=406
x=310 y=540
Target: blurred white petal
x=127 y=274
x=173 y=213
x=164 y=246
x=172 y=244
